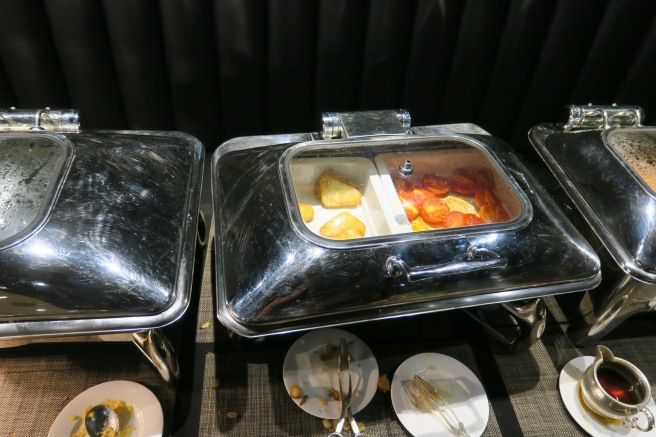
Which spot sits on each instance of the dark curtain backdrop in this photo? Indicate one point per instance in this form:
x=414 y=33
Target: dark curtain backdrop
x=227 y=68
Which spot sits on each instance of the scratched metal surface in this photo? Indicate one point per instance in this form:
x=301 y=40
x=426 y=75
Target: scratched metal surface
x=273 y=279
x=116 y=251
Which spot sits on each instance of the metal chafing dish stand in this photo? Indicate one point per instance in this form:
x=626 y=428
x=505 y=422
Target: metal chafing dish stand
x=99 y=232
x=605 y=162
x=276 y=273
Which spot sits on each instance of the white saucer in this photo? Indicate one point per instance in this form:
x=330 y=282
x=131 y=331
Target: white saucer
x=457 y=383
x=148 y=419
x=568 y=384
x=316 y=375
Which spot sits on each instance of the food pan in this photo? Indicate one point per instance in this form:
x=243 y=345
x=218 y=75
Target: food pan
x=372 y=210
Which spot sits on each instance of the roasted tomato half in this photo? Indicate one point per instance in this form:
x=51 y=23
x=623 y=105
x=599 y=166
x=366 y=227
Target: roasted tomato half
x=410 y=205
x=468 y=180
x=420 y=194
x=463 y=181
x=493 y=213
x=472 y=219
x=434 y=210
x=436 y=184
x=454 y=219
x=485 y=196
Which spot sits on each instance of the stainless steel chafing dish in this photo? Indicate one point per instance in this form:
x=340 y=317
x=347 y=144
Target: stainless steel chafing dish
x=277 y=273
x=605 y=161
x=98 y=231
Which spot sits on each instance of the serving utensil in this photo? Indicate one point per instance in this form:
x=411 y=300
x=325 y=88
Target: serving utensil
x=101 y=421
x=346 y=392
x=429 y=400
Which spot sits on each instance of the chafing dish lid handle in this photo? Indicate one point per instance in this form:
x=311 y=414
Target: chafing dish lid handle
x=395 y=266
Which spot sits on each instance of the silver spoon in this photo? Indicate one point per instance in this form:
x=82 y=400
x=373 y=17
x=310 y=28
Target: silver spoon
x=101 y=420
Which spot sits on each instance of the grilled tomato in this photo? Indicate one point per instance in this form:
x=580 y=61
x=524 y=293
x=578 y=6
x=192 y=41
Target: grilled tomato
x=434 y=210
x=436 y=184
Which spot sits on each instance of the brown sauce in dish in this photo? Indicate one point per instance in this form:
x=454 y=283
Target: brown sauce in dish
x=619 y=385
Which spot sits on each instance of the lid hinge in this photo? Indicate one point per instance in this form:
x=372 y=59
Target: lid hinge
x=603 y=117
x=365 y=124
x=40 y=120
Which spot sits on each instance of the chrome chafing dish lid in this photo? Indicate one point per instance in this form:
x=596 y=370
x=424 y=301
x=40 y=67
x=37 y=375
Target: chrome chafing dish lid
x=97 y=232
x=605 y=160
x=276 y=273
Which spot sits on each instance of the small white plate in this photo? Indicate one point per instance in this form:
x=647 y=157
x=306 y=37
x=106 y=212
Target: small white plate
x=148 y=418
x=568 y=384
x=309 y=366
x=457 y=383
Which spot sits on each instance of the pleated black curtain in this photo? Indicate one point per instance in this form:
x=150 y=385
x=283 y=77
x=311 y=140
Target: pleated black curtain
x=226 y=68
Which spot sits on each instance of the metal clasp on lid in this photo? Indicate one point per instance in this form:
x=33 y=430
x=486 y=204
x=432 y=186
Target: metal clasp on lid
x=48 y=120
x=603 y=117
x=365 y=123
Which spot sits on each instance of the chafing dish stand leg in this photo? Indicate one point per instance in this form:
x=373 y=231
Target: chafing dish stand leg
x=517 y=325
x=158 y=351
x=602 y=311
x=155 y=347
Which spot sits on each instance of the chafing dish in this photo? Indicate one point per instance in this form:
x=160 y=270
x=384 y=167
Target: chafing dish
x=605 y=161
x=98 y=231
x=276 y=273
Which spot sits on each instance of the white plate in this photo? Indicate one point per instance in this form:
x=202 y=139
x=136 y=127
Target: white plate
x=457 y=383
x=315 y=372
x=568 y=384
x=148 y=419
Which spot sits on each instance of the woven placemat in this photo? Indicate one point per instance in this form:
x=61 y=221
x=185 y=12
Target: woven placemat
x=531 y=379
x=244 y=395
x=38 y=381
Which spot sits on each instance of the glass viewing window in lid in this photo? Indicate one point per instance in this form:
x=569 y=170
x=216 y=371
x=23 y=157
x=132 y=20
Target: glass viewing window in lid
x=352 y=192
x=637 y=147
x=30 y=174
